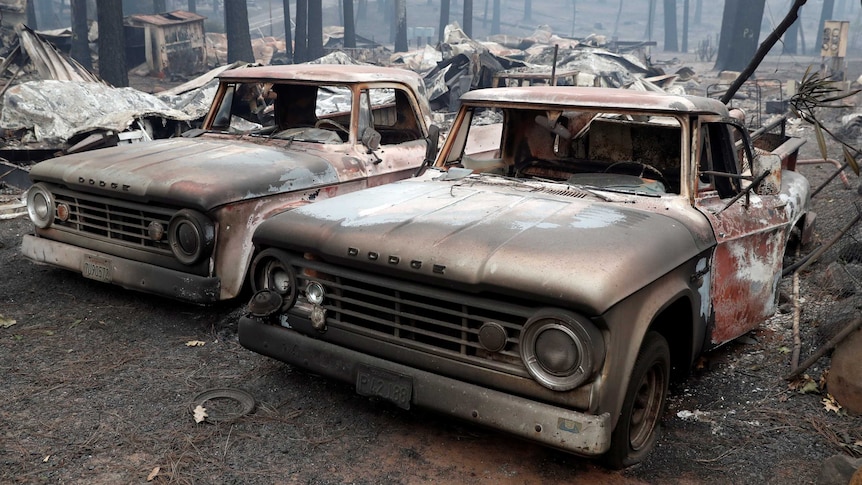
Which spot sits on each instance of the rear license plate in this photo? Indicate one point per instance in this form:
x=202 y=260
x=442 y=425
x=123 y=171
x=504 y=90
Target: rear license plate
x=96 y=268
x=396 y=388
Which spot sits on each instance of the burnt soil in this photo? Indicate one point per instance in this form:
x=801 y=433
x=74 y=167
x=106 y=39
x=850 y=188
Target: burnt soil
x=97 y=383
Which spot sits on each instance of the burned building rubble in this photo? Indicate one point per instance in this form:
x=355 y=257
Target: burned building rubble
x=43 y=126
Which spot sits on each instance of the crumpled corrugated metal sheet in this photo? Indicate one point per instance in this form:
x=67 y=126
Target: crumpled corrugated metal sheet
x=58 y=110
x=50 y=63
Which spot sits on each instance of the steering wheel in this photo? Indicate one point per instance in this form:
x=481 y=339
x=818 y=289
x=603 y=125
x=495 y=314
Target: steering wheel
x=327 y=121
x=644 y=168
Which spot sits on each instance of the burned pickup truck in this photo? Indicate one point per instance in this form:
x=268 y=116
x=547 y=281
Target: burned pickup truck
x=175 y=217
x=550 y=285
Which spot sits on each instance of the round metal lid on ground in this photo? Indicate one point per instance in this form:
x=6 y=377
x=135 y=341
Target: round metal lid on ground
x=223 y=404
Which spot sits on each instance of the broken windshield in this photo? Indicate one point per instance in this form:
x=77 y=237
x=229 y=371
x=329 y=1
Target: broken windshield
x=318 y=114
x=620 y=152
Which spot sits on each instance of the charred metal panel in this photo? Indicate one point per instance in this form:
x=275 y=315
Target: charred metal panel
x=237 y=222
x=746 y=268
x=197 y=173
x=613 y=100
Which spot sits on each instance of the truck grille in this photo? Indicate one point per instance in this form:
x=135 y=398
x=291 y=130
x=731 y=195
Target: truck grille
x=420 y=317
x=113 y=220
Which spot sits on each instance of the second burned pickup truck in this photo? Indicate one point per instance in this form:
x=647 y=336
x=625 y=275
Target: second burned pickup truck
x=550 y=285
x=175 y=217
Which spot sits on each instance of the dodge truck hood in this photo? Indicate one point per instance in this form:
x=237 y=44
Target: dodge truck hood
x=497 y=237
x=197 y=173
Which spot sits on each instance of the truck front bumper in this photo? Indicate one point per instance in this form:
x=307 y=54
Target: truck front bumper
x=127 y=273
x=571 y=431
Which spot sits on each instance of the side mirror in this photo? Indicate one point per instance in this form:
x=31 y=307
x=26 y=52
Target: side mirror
x=768 y=162
x=431 y=151
x=433 y=142
x=371 y=139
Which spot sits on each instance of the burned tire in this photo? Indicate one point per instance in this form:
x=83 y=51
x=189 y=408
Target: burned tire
x=637 y=429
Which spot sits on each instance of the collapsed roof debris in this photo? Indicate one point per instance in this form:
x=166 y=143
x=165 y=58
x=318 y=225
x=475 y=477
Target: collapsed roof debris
x=468 y=64
x=47 y=61
x=56 y=111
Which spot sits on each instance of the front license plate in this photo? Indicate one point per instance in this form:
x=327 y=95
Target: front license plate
x=96 y=268
x=396 y=388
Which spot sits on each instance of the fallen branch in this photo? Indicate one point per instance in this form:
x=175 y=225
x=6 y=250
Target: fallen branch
x=832 y=343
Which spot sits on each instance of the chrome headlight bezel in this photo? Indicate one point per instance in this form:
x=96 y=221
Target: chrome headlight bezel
x=271 y=270
x=41 y=206
x=315 y=292
x=191 y=236
x=549 y=328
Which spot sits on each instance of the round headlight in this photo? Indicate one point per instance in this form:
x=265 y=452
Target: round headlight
x=191 y=236
x=271 y=271
x=315 y=293
x=40 y=206
x=561 y=350
x=557 y=352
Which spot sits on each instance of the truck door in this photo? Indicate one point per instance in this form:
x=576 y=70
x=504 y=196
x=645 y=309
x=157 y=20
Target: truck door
x=751 y=233
x=389 y=114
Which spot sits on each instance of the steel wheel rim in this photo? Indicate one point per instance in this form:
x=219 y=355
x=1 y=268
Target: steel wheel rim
x=646 y=406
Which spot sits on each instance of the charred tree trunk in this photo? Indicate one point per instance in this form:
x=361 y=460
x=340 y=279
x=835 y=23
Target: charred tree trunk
x=80 y=42
x=112 y=43
x=791 y=37
x=300 y=53
x=528 y=10
x=617 y=21
x=159 y=6
x=400 y=25
x=764 y=49
x=740 y=31
x=495 y=18
x=670 y=33
x=685 y=5
x=192 y=6
x=650 y=19
x=349 y=24
x=485 y=15
x=444 y=19
x=236 y=26
x=698 y=12
x=315 y=30
x=31 y=15
x=288 y=39
x=468 y=18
